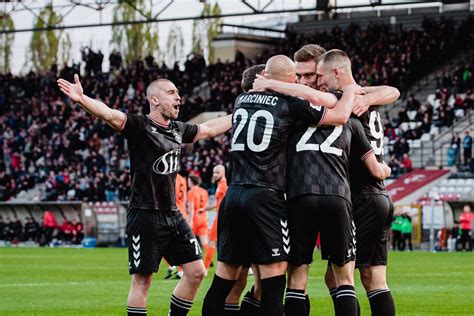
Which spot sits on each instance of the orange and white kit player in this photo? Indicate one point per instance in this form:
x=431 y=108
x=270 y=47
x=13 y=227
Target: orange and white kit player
x=198 y=200
x=181 y=189
x=218 y=175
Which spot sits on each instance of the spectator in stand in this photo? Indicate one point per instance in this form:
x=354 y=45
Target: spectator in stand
x=412 y=103
x=400 y=148
x=396 y=166
x=407 y=163
x=465 y=220
x=389 y=131
x=456 y=146
x=467 y=147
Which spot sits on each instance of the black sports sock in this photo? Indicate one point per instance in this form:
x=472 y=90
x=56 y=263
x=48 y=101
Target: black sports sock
x=250 y=305
x=179 y=306
x=136 y=311
x=346 y=301
x=295 y=303
x=333 y=292
x=381 y=302
x=216 y=295
x=231 y=309
x=272 y=296
x=308 y=304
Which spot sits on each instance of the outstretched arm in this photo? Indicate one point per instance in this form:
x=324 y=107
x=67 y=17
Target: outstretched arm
x=377 y=95
x=214 y=127
x=316 y=97
x=342 y=111
x=74 y=91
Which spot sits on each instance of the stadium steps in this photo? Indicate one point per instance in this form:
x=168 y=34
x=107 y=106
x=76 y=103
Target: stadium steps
x=33 y=194
x=433 y=152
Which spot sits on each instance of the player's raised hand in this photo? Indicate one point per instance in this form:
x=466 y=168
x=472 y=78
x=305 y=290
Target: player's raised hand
x=261 y=84
x=73 y=90
x=361 y=104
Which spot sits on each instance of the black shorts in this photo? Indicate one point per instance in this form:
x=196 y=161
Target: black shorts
x=153 y=235
x=372 y=217
x=252 y=226
x=331 y=216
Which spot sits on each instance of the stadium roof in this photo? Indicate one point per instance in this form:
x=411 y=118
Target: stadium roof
x=160 y=6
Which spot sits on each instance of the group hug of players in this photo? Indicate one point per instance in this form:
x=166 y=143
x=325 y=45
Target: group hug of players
x=306 y=159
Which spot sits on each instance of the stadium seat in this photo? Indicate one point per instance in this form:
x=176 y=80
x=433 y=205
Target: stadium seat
x=411 y=115
x=444 y=182
x=425 y=137
x=459 y=113
x=431 y=99
x=434 y=130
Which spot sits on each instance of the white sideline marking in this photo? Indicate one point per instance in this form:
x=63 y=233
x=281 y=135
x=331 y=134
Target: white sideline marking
x=58 y=283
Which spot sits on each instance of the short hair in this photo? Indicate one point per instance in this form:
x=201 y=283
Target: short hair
x=249 y=75
x=310 y=52
x=154 y=85
x=196 y=180
x=335 y=57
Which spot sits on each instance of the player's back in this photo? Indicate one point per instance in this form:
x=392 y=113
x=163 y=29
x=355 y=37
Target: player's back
x=261 y=125
x=199 y=197
x=319 y=159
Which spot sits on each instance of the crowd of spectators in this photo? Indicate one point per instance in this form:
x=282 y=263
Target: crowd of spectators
x=13 y=231
x=46 y=139
x=451 y=101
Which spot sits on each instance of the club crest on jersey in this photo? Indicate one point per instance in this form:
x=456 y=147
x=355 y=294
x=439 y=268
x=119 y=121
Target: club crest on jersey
x=177 y=136
x=168 y=163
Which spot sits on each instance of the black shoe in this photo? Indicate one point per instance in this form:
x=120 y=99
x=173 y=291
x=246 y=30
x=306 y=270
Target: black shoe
x=170 y=273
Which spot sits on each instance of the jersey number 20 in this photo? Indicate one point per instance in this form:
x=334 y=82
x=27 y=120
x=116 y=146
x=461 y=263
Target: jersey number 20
x=244 y=117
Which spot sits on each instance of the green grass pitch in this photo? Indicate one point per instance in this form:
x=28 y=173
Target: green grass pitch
x=44 y=281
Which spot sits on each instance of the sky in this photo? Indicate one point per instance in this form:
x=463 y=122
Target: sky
x=99 y=37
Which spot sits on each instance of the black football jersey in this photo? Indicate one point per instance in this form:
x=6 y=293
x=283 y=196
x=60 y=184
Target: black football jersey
x=319 y=158
x=261 y=125
x=361 y=180
x=154 y=160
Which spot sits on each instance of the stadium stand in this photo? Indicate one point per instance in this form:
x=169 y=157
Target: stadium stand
x=45 y=142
